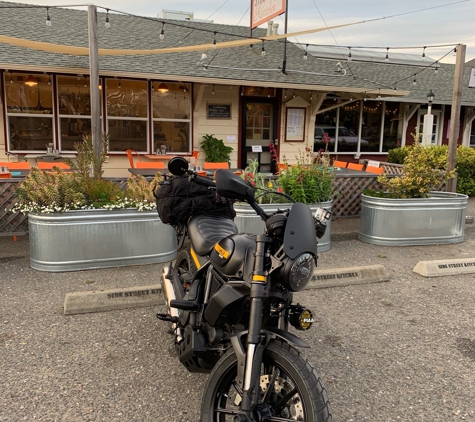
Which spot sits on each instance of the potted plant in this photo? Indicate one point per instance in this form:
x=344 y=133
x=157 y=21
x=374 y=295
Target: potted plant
x=215 y=150
x=310 y=181
x=407 y=211
x=78 y=222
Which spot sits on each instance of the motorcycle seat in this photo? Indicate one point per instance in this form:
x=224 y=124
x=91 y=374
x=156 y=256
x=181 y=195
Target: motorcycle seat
x=205 y=231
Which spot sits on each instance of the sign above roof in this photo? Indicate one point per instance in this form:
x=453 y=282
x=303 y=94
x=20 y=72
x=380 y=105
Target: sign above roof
x=263 y=10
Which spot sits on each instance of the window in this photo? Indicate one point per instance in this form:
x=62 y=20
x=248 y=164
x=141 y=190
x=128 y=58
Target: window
x=74 y=104
x=371 y=126
x=127 y=114
x=325 y=122
x=472 y=135
x=171 y=111
x=349 y=118
x=392 y=126
x=29 y=101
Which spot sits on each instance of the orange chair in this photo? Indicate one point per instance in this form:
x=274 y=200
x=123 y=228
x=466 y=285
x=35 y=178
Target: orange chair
x=16 y=166
x=372 y=169
x=281 y=166
x=341 y=164
x=149 y=165
x=48 y=166
x=354 y=166
x=196 y=155
x=215 y=166
x=130 y=153
x=5 y=175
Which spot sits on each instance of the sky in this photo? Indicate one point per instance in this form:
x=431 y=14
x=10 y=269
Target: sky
x=443 y=22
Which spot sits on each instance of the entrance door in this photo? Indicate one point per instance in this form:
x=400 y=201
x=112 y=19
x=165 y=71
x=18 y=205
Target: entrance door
x=435 y=125
x=259 y=129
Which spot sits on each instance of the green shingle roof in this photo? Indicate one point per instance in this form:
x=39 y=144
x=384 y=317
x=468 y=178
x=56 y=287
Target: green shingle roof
x=230 y=66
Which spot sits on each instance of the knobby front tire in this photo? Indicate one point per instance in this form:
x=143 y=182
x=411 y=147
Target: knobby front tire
x=290 y=388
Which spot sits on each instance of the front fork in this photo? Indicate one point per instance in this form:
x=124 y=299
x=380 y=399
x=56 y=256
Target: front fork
x=254 y=352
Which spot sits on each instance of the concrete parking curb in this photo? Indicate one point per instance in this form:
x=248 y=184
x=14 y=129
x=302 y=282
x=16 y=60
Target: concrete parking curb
x=337 y=277
x=109 y=300
x=443 y=267
x=143 y=296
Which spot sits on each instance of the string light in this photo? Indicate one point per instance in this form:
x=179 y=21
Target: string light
x=162 y=32
x=242 y=91
x=212 y=92
x=119 y=85
x=455 y=51
x=305 y=56
x=436 y=70
x=85 y=82
x=293 y=96
x=107 y=24
x=214 y=40
x=11 y=77
x=311 y=95
x=49 y=79
x=48 y=19
x=387 y=55
x=395 y=88
x=414 y=82
x=285 y=94
x=379 y=95
x=349 y=54
x=263 y=52
x=423 y=53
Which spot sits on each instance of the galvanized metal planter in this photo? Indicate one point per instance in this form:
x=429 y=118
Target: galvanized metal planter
x=87 y=239
x=248 y=222
x=439 y=219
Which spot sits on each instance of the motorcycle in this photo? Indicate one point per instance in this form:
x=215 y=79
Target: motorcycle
x=229 y=298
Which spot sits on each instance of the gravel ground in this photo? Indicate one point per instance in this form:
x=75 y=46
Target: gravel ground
x=402 y=350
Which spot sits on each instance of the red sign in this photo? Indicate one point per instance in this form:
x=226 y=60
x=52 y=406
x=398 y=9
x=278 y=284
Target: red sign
x=264 y=10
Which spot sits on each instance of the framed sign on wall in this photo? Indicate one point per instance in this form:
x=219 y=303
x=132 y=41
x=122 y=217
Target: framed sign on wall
x=218 y=111
x=295 y=124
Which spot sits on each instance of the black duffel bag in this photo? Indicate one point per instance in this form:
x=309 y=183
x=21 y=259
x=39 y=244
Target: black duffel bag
x=178 y=199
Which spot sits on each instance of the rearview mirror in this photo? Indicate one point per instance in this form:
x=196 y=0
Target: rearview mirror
x=178 y=166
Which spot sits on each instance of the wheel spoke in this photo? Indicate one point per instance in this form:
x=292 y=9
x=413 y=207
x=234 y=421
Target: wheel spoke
x=271 y=387
x=280 y=404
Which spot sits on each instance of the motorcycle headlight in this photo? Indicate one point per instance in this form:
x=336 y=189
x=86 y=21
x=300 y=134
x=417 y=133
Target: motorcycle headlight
x=297 y=273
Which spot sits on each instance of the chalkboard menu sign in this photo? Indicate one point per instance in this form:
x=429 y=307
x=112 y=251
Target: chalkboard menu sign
x=218 y=111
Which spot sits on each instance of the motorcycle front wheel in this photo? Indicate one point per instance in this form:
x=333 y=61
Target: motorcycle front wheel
x=290 y=389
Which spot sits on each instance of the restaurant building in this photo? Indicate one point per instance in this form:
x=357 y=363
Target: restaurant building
x=249 y=96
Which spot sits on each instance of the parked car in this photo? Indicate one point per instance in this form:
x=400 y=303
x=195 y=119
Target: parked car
x=344 y=135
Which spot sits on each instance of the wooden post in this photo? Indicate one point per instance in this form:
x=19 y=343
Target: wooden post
x=455 y=114
x=96 y=130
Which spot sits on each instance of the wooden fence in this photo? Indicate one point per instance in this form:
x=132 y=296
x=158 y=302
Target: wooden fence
x=346 y=204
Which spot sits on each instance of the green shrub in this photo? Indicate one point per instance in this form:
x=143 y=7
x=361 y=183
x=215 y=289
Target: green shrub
x=397 y=155
x=465 y=167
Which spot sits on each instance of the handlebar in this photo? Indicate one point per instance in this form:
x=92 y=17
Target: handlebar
x=200 y=180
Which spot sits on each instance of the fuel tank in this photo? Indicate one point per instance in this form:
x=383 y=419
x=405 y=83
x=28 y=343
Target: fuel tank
x=229 y=256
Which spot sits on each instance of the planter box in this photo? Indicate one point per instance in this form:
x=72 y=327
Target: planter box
x=439 y=219
x=248 y=221
x=87 y=239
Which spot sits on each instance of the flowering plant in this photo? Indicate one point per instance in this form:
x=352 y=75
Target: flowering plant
x=57 y=191
x=262 y=182
x=311 y=180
